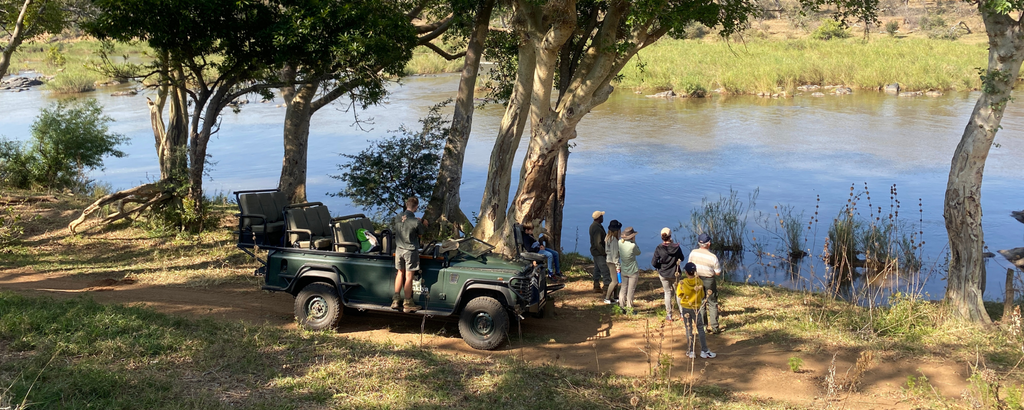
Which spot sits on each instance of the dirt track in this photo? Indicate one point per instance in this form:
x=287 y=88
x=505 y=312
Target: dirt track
x=574 y=335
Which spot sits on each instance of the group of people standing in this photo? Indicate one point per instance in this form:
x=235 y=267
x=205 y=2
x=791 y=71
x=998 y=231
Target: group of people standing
x=691 y=287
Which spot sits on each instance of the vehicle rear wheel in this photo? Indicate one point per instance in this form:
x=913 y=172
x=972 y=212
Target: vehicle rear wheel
x=484 y=323
x=318 y=307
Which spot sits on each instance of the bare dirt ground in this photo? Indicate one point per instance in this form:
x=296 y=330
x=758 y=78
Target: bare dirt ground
x=575 y=333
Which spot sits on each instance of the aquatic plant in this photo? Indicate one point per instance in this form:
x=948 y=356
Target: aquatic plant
x=725 y=220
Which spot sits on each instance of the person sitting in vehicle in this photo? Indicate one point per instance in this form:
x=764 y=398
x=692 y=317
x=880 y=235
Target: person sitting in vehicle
x=533 y=245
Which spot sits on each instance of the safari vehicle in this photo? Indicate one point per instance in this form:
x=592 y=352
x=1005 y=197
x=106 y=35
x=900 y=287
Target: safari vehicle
x=327 y=267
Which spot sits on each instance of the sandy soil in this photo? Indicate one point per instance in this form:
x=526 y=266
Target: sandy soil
x=573 y=334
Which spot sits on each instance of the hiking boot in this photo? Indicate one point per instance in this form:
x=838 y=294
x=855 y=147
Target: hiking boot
x=410 y=306
x=396 y=302
x=597 y=288
x=707 y=354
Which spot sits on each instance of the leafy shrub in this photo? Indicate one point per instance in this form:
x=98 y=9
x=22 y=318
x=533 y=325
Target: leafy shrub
x=795 y=363
x=54 y=57
x=932 y=21
x=892 y=27
x=69 y=138
x=830 y=29
x=381 y=177
x=695 y=90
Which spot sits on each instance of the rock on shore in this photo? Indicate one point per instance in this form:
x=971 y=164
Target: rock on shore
x=17 y=83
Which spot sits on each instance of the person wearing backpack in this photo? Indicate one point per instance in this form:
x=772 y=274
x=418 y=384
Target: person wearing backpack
x=690 y=291
x=666 y=260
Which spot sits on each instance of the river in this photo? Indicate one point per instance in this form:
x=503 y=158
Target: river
x=648 y=162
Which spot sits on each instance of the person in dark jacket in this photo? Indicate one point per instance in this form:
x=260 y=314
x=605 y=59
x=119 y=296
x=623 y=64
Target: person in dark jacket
x=666 y=260
x=597 y=250
x=530 y=244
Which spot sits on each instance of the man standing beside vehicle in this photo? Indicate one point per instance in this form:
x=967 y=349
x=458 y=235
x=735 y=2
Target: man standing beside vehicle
x=597 y=250
x=408 y=229
x=707 y=268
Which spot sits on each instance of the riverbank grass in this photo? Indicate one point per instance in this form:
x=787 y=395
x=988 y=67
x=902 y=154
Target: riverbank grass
x=782 y=65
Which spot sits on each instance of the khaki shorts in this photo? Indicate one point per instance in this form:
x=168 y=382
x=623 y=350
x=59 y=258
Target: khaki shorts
x=407 y=260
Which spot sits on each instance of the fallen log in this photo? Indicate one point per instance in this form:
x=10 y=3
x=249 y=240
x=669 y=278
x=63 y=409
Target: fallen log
x=9 y=200
x=146 y=195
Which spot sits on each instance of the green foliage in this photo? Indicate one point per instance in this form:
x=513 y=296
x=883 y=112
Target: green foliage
x=396 y=167
x=842 y=240
x=931 y=22
x=55 y=57
x=72 y=82
x=795 y=363
x=69 y=138
x=892 y=27
x=11 y=228
x=917 y=63
x=908 y=318
x=830 y=29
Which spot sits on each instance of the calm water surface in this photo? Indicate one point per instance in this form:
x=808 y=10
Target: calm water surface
x=647 y=162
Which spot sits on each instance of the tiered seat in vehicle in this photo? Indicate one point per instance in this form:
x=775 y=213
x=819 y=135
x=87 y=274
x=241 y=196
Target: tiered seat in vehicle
x=346 y=235
x=260 y=217
x=308 y=226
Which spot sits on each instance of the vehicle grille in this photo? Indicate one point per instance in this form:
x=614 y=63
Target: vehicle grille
x=527 y=286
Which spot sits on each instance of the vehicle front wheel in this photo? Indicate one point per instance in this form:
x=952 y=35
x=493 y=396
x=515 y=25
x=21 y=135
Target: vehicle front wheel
x=318 y=307
x=484 y=323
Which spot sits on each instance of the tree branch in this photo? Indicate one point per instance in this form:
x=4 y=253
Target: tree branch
x=443 y=53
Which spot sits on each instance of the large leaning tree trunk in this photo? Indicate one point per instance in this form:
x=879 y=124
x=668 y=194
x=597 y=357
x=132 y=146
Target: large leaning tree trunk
x=444 y=207
x=962 y=209
x=510 y=133
x=15 y=39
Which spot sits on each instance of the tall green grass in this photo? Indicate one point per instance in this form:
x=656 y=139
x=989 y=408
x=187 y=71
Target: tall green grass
x=73 y=81
x=425 y=61
x=767 y=65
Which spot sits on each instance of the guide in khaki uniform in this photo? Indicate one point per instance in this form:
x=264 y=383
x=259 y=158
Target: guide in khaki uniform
x=408 y=229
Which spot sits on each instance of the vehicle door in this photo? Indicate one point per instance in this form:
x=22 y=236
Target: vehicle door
x=375 y=276
x=430 y=290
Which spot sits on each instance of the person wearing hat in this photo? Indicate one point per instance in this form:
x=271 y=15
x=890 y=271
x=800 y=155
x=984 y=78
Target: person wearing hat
x=708 y=268
x=611 y=248
x=597 y=250
x=690 y=291
x=666 y=260
x=628 y=251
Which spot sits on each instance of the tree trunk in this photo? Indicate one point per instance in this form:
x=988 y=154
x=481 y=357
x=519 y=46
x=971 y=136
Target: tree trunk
x=444 y=205
x=17 y=36
x=510 y=133
x=962 y=210
x=298 y=114
x=171 y=139
x=558 y=205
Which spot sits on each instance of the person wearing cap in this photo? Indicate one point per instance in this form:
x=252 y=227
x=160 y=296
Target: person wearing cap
x=628 y=251
x=611 y=248
x=666 y=260
x=708 y=268
x=597 y=250
x=690 y=291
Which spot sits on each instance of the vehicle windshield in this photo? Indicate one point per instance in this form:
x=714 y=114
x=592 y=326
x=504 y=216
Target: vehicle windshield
x=474 y=247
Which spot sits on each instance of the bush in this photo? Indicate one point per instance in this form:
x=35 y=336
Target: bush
x=381 y=177
x=931 y=22
x=830 y=29
x=69 y=138
x=892 y=27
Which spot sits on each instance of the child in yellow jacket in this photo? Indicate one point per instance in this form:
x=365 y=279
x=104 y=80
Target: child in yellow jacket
x=690 y=291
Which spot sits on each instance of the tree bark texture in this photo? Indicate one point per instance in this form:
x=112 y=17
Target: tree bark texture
x=444 y=206
x=171 y=138
x=558 y=205
x=962 y=211
x=510 y=134
x=552 y=128
x=14 y=41
x=298 y=114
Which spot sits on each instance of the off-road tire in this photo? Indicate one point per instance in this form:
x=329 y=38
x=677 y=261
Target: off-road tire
x=483 y=323
x=318 y=307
